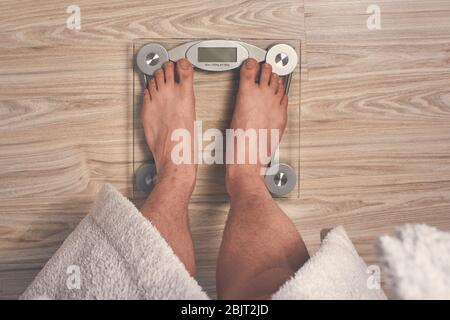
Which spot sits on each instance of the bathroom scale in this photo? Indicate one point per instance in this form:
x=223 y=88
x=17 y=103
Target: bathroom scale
x=216 y=77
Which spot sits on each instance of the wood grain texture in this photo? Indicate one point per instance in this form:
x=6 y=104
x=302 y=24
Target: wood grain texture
x=375 y=111
x=374 y=122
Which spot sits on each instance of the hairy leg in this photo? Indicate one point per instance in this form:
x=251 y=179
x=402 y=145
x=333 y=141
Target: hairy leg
x=261 y=248
x=169 y=105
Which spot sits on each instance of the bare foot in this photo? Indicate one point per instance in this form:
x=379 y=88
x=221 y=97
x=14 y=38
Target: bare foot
x=261 y=248
x=260 y=105
x=169 y=105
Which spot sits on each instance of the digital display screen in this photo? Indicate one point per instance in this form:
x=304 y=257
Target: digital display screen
x=215 y=54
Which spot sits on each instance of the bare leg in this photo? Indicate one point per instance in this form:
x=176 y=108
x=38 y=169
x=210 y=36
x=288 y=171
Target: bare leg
x=169 y=105
x=261 y=247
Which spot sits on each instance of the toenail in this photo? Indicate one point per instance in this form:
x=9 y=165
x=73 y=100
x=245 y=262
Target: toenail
x=250 y=63
x=266 y=65
x=184 y=64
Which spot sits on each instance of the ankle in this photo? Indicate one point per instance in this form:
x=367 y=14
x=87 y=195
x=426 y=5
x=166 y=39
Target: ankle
x=244 y=180
x=179 y=179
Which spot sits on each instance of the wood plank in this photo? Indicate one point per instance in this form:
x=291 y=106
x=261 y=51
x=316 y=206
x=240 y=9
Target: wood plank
x=104 y=22
x=374 y=127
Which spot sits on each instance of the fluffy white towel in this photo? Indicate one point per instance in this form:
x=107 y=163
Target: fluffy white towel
x=417 y=262
x=336 y=271
x=118 y=254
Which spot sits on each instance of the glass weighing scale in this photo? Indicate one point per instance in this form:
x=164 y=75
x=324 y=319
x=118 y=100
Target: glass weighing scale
x=216 y=77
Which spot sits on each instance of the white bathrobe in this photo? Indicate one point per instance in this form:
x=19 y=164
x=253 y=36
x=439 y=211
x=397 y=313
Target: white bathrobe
x=116 y=253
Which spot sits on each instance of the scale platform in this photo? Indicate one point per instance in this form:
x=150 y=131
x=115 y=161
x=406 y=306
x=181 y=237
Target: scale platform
x=215 y=94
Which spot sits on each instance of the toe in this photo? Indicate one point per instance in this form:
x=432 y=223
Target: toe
x=280 y=89
x=284 y=101
x=169 y=72
x=159 y=77
x=274 y=82
x=266 y=72
x=249 y=72
x=185 y=73
x=152 y=87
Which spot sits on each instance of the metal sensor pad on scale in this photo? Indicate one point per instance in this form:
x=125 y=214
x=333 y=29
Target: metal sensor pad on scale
x=216 y=56
x=280 y=179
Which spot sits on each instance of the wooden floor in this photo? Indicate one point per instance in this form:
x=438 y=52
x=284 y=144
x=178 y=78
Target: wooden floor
x=375 y=114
